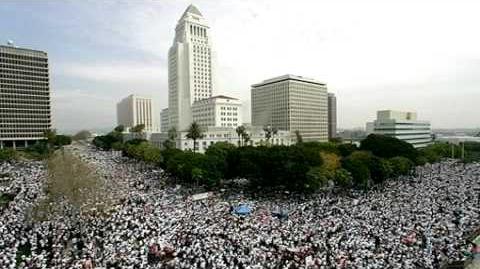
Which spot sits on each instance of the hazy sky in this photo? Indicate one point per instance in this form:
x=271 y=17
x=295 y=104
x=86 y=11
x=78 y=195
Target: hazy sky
x=408 y=55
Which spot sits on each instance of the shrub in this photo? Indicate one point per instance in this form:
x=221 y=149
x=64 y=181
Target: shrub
x=401 y=166
x=343 y=178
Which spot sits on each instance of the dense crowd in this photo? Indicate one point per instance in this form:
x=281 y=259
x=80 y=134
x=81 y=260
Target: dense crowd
x=420 y=221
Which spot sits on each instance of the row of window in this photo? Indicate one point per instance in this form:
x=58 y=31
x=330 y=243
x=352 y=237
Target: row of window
x=24 y=73
x=17 y=135
x=15 y=87
x=17 y=62
x=22 y=77
x=23 y=68
x=228 y=108
x=228 y=119
x=21 y=93
x=23 y=129
x=228 y=113
x=23 y=82
x=22 y=57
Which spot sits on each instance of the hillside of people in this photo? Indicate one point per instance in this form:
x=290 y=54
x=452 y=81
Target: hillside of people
x=127 y=204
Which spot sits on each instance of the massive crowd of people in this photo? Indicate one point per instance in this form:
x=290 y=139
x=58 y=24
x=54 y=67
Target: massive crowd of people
x=420 y=221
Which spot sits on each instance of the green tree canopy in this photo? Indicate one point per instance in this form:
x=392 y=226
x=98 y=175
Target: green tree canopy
x=388 y=147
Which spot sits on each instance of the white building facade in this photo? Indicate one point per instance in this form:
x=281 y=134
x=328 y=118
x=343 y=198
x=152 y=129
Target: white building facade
x=213 y=135
x=134 y=110
x=292 y=103
x=191 y=67
x=403 y=126
x=25 y=102
x=218 y=111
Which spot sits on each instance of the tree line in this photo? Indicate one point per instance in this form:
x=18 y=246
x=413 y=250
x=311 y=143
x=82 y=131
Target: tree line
x=42 y=149
x=304 y=166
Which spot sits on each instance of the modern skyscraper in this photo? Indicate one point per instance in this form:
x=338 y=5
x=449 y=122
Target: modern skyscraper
x=191 y=67
x=134 y=110
x=292 y=103
x=403 y=126
x=25 y=105
x=332 y=116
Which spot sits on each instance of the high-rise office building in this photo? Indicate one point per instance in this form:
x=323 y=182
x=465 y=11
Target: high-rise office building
x=292 y=103
x=191 y=67
x=332 y=116
x=134 y=110
x=25 y=104
x=218 y=111
x=164 y=120
x=403 y=126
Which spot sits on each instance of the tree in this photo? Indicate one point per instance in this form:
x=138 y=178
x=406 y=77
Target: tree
x=194 y=132
x=62 y=140
x=50 y=135
x=346 y=149
x=336 y=140
x=246 y=138
x=7 y=154
x=241 y=133
x=138 y=129
x=268 y=132
x=298 y=136
x=120 y=128
x=358 y=165
x=388 y=147
x=317 y=177
x=170 y=143
x=82 y=135
x=343 y=178
x=401 y=165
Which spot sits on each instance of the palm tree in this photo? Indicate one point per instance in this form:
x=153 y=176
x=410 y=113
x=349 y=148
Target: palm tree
x=241 y=133
x=194 y=132
x=246 y=138
x=299 y=136
x=274 y=132
x=170 y=143
x=138 y=129
x=268 y=132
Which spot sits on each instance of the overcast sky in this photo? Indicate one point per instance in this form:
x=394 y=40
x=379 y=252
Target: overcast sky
x=408 y=55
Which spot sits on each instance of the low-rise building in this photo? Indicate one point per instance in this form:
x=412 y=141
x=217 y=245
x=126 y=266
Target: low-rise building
x=213 y=135
x=218 y=111
x=403 y=126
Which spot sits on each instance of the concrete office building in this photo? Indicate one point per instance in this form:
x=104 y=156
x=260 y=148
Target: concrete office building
x=403 y=126
x=134 y=110
x=292 y=103
x=191 y=67
x=25 y=104
x=213 y=135
x=218 y=111
x=164 y=121
x=332 y=116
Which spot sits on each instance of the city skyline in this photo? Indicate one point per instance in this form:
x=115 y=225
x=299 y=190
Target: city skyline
x=372 y=55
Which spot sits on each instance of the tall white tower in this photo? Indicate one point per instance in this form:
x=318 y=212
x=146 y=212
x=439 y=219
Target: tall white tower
x=190 y=67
